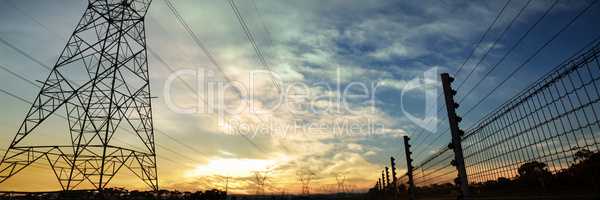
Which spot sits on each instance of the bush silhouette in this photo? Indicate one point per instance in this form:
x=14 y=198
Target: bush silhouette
x=534 y=174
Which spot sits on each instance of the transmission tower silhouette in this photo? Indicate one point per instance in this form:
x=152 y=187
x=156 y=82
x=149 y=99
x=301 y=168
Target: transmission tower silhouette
x=305 y=176
x=101 y=81
x=340 y=179
x=260 y=178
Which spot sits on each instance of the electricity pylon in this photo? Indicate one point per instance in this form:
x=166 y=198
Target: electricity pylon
x=305 y=176
x=340 y=179
x=260 y=178
x=101 y=81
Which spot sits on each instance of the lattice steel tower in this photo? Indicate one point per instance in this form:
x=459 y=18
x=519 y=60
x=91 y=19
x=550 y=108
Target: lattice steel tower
x=101 y=81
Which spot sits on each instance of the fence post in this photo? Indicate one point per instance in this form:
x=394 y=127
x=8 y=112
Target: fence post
x=453 y=120
x=383 y=185
x=394 y=179
x=409 y=168
x=387 y=176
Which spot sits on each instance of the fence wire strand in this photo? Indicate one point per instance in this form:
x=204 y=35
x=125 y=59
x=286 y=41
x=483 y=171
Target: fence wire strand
x=548 y=122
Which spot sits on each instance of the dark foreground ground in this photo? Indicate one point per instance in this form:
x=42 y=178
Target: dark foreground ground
x=218 y=195
x=120 y=194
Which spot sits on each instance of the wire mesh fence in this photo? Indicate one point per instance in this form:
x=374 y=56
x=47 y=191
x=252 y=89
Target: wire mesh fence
x=544 y=141
x=402 y=184
x=403 y=179
x=435 y=170
x=549 y=122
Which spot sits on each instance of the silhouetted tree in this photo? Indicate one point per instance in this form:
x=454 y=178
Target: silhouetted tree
x=534 y=174
x=583 y=155
x=587 y=169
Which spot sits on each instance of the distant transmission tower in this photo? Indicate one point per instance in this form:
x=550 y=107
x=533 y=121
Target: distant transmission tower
x=101 y=81
x=260 y=178
x=305 y=176
x=341 y=182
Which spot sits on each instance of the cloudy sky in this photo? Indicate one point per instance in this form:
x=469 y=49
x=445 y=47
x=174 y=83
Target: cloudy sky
x=317 y=117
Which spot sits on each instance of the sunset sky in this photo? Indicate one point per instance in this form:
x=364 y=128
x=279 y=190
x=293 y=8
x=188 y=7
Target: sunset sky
x=321 y=53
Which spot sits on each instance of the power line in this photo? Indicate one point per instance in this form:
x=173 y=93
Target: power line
x=262 y=21
x=64 y=117
x=2 y=40
x=189 y=87
x=18 y=75
x=495 y=43
x=24 y=13
x=489 y=28
x=589 y=45
x=29 y=102
x=518 y=118
x=511 y=49
x=27 y=55
x=191 y=33
x=47 y=67
x=541 y=48
x=532 y=56
x=195 y=38
x=20 y=51
x=520 y=12
x=252 y=41
x=439 y=136
x=548 y=10
x=477 y=44
x=168 y=67
x=15 y=96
